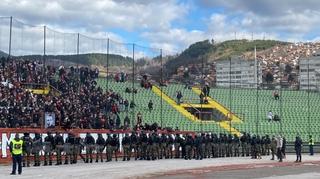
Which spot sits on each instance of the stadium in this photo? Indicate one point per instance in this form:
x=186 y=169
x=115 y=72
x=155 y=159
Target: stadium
x=218 y=109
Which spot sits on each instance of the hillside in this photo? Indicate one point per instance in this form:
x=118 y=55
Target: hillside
x=207 y=51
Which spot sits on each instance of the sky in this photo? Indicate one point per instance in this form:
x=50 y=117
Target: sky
x=171 y=25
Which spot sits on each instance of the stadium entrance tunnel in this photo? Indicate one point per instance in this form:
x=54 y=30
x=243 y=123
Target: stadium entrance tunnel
x=207 y=114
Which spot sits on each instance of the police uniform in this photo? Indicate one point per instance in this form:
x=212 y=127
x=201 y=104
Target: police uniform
x=36 y=148
x=134 y=145
x=189 y=145
x=115 y=145
x=58 y=146
x=126 y=142
x=100 y=143
x=27 y=146
x=108 y=148
x=48 y=148
x=89 y=144
x=68 y=149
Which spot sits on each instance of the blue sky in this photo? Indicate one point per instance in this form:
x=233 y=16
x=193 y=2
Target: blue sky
x=172 y=25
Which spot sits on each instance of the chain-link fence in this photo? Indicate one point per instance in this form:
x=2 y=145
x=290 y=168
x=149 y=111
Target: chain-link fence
x=275 y=94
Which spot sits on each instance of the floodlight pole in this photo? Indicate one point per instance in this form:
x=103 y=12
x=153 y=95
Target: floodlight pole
x=44 y=51
x=133 y=75
x=108 y=44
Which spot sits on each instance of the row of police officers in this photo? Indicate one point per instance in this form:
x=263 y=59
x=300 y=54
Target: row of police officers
x=142 y=146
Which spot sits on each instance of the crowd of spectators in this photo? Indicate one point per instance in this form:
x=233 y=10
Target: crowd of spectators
x=81 y=103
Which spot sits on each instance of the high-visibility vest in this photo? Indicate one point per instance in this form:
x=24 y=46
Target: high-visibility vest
x=17 y=147
x=311 y=141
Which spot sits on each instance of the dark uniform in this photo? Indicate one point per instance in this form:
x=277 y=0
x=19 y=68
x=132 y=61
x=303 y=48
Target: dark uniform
x=163 y=145
x=169 y=145
x=126 y=143
x=134 y=145
x=215 y=145
x=143 y=146
x=229 y=146
x=189 y=145
x=69 y=148
x=267 y=144
x=297 y=148
x=177 y=144
x=89 y=144
x=198 y=145
x=27 y=146
x=78 y=147
x=236 y=146
x=100 y=144
x=243 y=140
x=115 y=145
x=36 y=148
x=48 y=148
x=58 y=146
x=108 y=148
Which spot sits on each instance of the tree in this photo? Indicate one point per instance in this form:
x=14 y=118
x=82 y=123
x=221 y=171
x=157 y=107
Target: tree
x=269 y=77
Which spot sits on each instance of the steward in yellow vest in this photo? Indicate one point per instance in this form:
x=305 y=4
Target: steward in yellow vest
x=16 y=152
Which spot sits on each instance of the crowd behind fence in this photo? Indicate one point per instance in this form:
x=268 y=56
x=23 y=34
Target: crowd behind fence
x=252 y=98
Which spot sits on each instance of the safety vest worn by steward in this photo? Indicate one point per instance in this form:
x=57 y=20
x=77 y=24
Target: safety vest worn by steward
x=311 y=141
x=17 y=147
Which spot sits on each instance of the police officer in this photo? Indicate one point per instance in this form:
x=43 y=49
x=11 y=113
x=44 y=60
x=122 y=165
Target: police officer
x=297 y=148
x=163 y=145
x=143 y=145
x=134 y=145
x=189 y=145
x=169 y=145
x=36 y=148
x=48 y=148
x=108 y=148
x=16 y=151
x=273 y=146
x=115 y=145
x=100 y=143
x=89 y=144
x=215 y=146
x=155 y=146
x=268 y=145
x=208 y=146
x=229 y=145
x=68 y=149
x=198 y=146
x=58 y=146
x=126 y=143
x=177 y=142
x=27 y=146
x=243 y=140
x=78 y=147
x=236 y=145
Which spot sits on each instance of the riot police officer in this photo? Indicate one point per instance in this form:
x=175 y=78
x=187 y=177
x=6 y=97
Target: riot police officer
x=36 y=148
x=58 y=146
x=48 y=148
x=100 y=143
x=27 y=146
x=89 y=144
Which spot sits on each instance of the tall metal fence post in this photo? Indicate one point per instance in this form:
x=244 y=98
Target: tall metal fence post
x=133 y=78
x=10 y=37
x=108 y=43
x=161 y=85
x=44 y=52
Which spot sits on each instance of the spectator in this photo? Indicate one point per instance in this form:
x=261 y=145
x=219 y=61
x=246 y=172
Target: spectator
x=276 y=95
x=150 y=105
x=270 y=116
x=179 y=96
x=139 y=118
